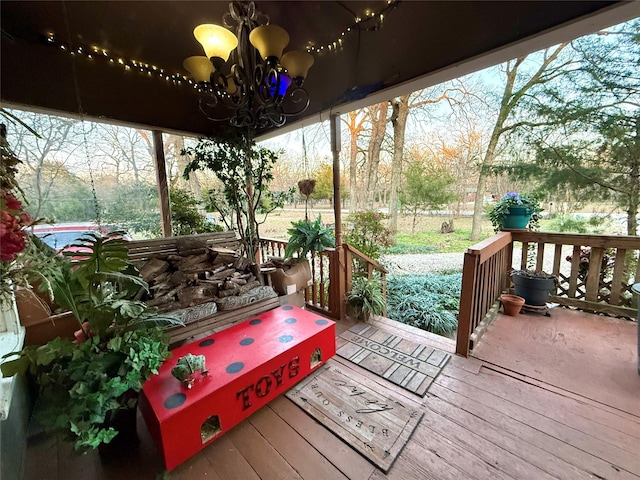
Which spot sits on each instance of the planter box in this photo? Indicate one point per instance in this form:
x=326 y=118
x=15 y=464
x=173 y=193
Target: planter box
x=40 y=325
x=249 y=365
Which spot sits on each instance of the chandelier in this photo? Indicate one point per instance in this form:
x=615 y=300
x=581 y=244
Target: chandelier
x=246 y=72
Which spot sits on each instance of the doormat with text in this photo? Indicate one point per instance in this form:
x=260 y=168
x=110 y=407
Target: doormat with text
x=411 y=365
x=373 y=421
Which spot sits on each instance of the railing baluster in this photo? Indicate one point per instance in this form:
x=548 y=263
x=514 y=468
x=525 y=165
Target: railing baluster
x=618 y=275
x=540 y=257
x=593 y=277
x=322 y=284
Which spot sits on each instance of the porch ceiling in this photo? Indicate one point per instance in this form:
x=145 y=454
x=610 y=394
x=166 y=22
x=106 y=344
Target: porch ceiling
x=416 y=39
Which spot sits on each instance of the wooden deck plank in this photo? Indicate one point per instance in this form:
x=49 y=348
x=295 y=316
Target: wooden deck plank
x=524 y=406
x=466 y=461
x=416 y=462
x=227 y=460
x=345 y=458
x=606 y=415
x=504 y=438
x=305 y=459
x=472 y=446
x=197 y=466
x=564 y=409
x=494 y=415
x=261 y=455
x=600 y=352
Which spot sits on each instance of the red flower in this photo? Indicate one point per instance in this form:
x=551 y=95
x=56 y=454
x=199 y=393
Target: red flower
x=11 y=202
x=12 y=221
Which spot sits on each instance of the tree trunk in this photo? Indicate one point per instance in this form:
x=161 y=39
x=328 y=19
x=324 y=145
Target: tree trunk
x=400 y=112
x=355 y=125
x=378 y=115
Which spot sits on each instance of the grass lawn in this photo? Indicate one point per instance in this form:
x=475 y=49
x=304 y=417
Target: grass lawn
x=426 y=239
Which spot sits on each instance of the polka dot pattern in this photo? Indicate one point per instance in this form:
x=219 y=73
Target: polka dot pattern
x=287 y=307
x=290 y=320
x=235 y=367
x=285 y=338
x=175 y=400
x=207 y=343
x=246 y=341
x=321 y=322
x=255 y=321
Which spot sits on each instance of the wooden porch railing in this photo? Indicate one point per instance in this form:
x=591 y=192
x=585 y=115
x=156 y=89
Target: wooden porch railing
x=599 y=275
x=595 y=273
x=358 y=262
x=332 y=272
x=484 y=277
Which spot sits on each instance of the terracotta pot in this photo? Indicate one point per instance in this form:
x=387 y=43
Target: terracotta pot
x=511 y=304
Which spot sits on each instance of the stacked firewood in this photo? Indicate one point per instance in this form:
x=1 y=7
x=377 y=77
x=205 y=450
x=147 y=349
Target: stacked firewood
x=196 y=276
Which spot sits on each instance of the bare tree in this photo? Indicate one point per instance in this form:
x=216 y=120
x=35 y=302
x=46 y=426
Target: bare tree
x=547 y=70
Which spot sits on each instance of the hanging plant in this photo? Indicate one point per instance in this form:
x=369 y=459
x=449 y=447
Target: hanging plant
x=306 y=188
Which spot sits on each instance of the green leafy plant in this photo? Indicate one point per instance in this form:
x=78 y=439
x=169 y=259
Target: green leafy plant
x=307 y=237
x=245 y=171
x=365 y=297
x=185 y=217
x=511 y=199
x=119 y=344
x=368 y=234
x=430 y=302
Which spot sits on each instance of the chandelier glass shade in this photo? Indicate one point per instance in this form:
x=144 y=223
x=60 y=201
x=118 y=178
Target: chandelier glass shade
x=246 y=72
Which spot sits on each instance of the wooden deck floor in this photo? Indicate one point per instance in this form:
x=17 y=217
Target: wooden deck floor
x=514 y=412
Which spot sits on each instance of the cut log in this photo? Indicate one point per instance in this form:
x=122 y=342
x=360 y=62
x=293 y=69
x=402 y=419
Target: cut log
x=241 y=263
x=152 y=268
x=194 y=263
x=195 y=295
x=222 y=275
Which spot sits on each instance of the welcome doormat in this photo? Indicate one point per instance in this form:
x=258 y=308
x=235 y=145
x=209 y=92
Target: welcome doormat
x=375 y=422
x=411 y=365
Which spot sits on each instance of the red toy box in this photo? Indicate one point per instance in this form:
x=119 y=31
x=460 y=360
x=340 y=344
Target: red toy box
x=248 y=365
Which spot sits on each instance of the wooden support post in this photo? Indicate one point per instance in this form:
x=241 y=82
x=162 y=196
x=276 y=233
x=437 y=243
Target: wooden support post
x=337 y=201
x=468 y=302
x=163 y=184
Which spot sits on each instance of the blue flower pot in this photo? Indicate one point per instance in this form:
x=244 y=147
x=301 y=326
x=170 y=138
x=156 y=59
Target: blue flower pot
x=517 y=219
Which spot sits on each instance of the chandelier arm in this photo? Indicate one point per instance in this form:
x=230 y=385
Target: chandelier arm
x=205 y=103
x=298 y=95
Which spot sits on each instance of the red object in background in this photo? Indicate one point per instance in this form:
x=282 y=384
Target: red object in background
x=249 y=365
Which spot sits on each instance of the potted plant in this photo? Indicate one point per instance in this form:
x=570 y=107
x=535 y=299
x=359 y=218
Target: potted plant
x=85 y=384
x=365 y=297
x=515 y=211
x=533 y=286
x=308 y=237
x=305 y=237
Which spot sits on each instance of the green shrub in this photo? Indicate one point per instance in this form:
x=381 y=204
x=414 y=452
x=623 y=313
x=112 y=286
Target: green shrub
x=365 y=297
x=368 y=234
x=185 y=217
x=430 y=302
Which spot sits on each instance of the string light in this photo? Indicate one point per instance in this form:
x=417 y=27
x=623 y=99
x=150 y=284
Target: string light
x=95 y=52
x=359 y=24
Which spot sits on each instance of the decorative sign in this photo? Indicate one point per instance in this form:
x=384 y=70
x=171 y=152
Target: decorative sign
x=411 y=365
x=375 y=422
